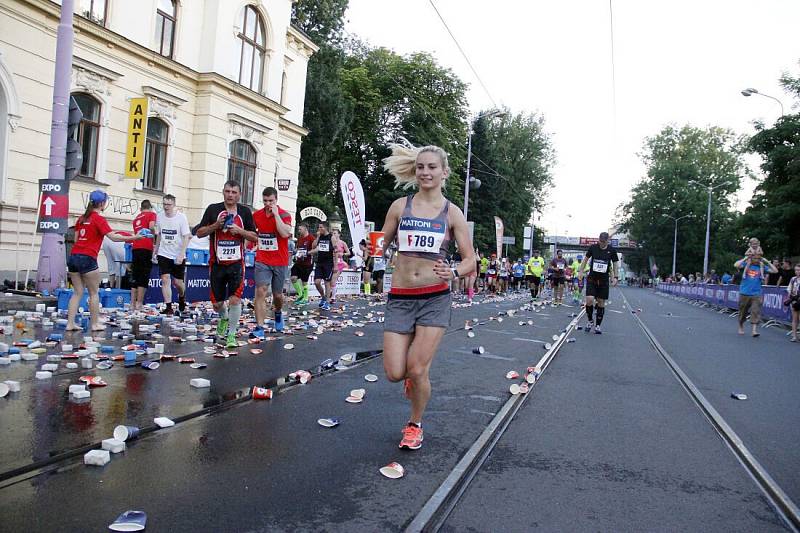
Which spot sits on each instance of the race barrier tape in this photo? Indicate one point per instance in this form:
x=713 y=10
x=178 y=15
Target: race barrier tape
x=728 y=296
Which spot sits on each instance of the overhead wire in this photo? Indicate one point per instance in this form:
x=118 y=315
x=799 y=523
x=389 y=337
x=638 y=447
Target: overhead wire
x=436 y=121
x=464 y=54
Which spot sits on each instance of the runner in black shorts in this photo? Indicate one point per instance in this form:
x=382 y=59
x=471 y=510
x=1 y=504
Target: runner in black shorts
x=228 y=224
x=303 y=263
x=604 y=261
x=323 y=269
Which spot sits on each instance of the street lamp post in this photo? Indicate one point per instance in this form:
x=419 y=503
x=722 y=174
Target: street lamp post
x=710 y=189
x=675 y=240
x=750 y=92
x=468 y=180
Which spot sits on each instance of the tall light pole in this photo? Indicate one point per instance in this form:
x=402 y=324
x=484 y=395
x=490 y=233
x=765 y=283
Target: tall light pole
x=675 y=240
x=52 y=266
x=750 y=92
x=710 y=188
x=468 y=180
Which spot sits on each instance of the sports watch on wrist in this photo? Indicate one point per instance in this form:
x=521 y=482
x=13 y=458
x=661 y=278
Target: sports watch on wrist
x=455 y=272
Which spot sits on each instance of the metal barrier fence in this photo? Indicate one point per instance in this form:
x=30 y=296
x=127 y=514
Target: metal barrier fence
x=728 y=296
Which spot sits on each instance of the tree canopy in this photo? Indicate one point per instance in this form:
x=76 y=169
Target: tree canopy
x=359 y=99
x=774 y=211
x=681 y=164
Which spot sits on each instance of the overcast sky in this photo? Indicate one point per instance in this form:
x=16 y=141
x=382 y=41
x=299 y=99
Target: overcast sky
x=676 y=62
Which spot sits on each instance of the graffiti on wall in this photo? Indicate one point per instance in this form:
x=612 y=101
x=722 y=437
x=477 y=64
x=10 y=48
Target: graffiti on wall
x=122 y=205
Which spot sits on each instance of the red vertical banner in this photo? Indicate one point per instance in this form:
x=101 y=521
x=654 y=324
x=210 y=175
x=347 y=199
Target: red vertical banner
x=498 y=230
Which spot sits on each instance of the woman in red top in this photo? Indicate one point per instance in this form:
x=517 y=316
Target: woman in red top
x=90 y=229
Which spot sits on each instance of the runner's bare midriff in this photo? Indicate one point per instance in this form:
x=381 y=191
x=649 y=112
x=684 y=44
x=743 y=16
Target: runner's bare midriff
x=411 y=272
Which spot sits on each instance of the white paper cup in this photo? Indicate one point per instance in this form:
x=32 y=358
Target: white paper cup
x=514 y=389
x=353 y=399
x=371 y=378
x=393 y=471
x=358 y=393
x=4 y=389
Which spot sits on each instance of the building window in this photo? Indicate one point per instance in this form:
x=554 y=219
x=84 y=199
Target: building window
x=253 y=49
x=165 y=27
x=88 y=133
x=242 y=168
x=94 y=10
x=155 y=154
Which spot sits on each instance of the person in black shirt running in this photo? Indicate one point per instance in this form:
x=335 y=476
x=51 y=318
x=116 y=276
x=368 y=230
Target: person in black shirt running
x=603 y=262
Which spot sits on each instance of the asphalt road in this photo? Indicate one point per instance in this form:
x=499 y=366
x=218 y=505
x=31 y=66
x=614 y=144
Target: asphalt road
x=611 y=442
x=608 y=440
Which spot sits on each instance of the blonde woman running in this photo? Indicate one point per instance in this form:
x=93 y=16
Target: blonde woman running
x=418 y=309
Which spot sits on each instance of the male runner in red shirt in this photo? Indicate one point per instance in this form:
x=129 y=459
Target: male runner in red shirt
x=274 y=226
x=142 y=254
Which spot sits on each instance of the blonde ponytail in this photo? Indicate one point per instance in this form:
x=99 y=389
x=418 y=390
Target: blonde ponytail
x=402 y=164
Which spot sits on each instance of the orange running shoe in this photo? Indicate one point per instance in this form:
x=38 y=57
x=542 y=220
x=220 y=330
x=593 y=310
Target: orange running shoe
x=412 y=437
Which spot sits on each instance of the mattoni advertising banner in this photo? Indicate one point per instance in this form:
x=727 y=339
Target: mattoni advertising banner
x=728 y=296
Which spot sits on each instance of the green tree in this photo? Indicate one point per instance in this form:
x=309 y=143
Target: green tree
x=674 y=158
x=513 y=157
x=774 y=211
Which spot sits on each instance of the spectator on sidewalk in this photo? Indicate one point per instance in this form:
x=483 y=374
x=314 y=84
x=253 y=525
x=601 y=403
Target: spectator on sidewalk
x=787 y=272
x=793 y=300
x=773 y=277
x=750 y=292
x=726 y=278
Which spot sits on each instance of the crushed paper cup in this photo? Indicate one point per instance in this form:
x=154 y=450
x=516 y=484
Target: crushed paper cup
x=130 y=521
x=523 y=388
x=186 y=360
x=358 y=333
x=738 y=396
x=531 y=378
x=393 y=471
x=199 y=383
x=556 y=337
x=328 y=422
x=126 y=433
x=353 y=399
x=514 y=389
x=198 y=366
x=256 y=351
x=261 y=393
x=288 y=346
x=4 y=390
x=371 y=378
x=163 y=422
x=548 y=346
x=478 y=350
x=358 y=393
x=97 y=458
x=470 y=334
x=512 y=374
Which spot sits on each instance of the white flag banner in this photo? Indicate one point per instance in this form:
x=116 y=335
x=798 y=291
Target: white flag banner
x=354 y=205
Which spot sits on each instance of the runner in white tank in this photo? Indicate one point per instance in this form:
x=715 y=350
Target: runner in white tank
x=419 y=305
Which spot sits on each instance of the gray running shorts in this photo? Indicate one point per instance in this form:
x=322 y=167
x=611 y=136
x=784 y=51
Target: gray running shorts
x=404 y=313
x=271 y=276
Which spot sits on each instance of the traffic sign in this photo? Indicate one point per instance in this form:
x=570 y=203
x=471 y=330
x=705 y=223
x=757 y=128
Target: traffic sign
x=53 y=206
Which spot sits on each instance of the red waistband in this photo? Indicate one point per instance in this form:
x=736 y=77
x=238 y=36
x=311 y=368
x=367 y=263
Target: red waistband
x=429 y=289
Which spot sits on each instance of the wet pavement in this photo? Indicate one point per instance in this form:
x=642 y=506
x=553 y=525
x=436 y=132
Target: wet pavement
x=608 y=437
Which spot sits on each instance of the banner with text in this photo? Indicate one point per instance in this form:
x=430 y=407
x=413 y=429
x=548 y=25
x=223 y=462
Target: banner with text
x=137 y=135
x=728 y=296
x=355 y=206
x=498 y=230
